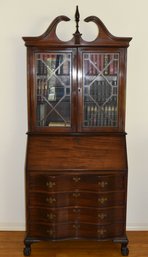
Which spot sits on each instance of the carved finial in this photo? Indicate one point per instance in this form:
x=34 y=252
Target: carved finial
x=77 y=19
x=77 y=34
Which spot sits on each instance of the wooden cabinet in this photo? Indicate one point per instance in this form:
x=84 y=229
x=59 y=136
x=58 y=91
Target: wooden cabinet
x=76 y=162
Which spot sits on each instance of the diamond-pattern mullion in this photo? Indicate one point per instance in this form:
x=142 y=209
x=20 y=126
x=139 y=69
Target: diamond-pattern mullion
x=100 y=87
x=53 y=84
x=53 y=108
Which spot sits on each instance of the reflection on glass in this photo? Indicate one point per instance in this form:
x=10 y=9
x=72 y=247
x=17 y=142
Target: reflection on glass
x=53 y=89
x=100 y=89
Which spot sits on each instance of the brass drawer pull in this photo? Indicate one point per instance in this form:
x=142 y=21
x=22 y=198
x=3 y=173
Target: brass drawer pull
x=50 y=232
x=101 y=232
x=102 y=183
x=51 y=216
x=50 y=200
x=102 y=216
x=102 y=200
x=76 y=179
x=76 y=210
x=50 y=184
x=76 y=226
x=76 y=195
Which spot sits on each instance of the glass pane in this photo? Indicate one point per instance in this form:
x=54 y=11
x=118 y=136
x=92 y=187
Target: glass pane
x=100 y=89
x=53 y=89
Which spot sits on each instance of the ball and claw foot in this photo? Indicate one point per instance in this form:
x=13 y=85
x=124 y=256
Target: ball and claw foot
x=27 y=251
x=124 y=250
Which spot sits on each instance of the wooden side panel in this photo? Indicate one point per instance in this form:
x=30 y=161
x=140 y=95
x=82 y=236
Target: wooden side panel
x=76 y=153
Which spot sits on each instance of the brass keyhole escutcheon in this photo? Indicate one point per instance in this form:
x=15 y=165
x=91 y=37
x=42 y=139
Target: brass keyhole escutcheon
x=50 y=184
x=51 y=216
x=102 y=183
x=102 y=216
x=76 y=195
x=76 y=179
x=50 y=200
x=102 y=200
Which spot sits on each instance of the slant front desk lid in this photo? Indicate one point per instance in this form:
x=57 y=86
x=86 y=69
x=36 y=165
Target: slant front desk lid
x=73 y=153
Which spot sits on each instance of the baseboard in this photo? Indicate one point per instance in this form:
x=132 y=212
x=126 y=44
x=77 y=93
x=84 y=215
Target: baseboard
x=12 y=227
x=21 y=227
x=137 y=227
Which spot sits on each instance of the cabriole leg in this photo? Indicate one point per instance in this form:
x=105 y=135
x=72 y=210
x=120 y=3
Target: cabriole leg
x=124 y=248
x=27 y=248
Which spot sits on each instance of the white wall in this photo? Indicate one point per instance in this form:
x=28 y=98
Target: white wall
x=31 y=18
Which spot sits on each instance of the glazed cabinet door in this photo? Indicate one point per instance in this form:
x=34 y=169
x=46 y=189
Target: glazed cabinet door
x=102 y=90
x=77 y=90
x=51 y=82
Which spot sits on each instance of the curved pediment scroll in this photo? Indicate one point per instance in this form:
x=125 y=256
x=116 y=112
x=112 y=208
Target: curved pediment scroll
x=50 y=38
x=103 y=33
x=104 y=36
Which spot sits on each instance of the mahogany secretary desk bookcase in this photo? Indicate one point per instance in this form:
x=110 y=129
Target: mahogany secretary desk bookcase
x=76 y=161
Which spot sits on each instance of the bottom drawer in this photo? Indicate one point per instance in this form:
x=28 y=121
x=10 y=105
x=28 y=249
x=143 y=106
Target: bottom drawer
x=75 y=230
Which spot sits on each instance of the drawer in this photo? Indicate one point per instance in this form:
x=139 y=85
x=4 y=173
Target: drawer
x=89 y=182
x=78 y=198
x=58 y=231
x=75 y=214
x=99 y=232
x=76 y=230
